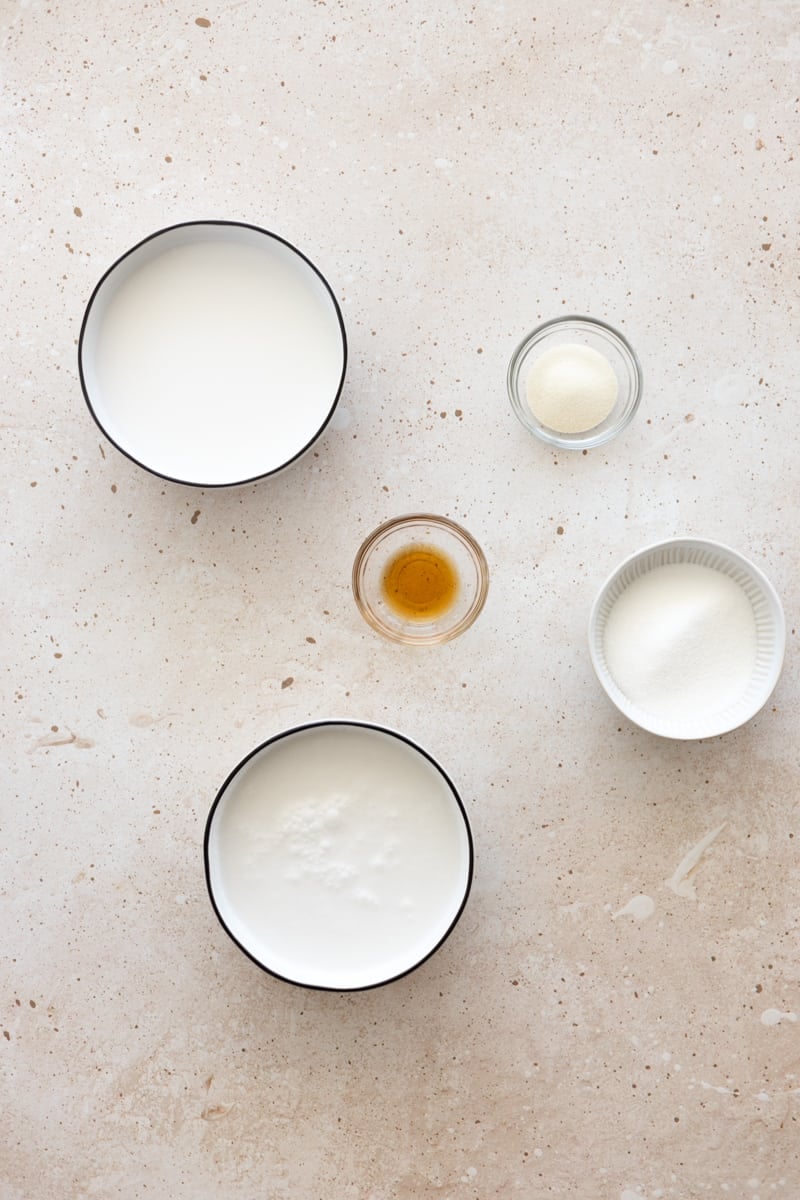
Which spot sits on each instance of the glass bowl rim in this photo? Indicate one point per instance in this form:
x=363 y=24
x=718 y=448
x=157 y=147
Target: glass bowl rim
x=447 y=525
x=587 y=440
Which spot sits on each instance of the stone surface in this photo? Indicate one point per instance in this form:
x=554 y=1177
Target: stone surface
x=459 y=172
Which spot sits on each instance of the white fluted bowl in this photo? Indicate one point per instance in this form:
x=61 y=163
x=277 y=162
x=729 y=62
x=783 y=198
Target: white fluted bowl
x=770 y=636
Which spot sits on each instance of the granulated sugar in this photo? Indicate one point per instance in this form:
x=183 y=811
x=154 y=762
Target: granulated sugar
x=680 y=641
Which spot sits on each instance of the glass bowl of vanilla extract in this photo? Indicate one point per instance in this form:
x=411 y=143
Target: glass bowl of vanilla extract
x=420 y=579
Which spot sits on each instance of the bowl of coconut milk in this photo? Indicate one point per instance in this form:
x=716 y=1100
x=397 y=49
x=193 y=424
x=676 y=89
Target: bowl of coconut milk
x=687 y=637
x=212 y=353
x=338 y=855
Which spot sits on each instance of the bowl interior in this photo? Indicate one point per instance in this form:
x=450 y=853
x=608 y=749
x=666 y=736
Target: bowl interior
x=212 y=353
x=338 y=856
x=583 y=331
x=420 y=534
x=769 y=636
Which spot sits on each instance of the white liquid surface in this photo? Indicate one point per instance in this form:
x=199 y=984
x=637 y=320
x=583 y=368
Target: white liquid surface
x=213 y=356
x=681 y=641
x=339 y=857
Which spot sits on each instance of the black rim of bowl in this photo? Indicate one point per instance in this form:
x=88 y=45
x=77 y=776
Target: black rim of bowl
x=198 y=224
x=296 y=729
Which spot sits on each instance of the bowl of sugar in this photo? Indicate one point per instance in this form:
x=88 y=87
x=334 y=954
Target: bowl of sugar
x=212 y=353
x=574 y=382
x=687 y=638
x=338 y=855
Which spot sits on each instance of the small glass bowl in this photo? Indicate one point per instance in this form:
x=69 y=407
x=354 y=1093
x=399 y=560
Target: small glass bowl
x=402 y=533
x=583 y=331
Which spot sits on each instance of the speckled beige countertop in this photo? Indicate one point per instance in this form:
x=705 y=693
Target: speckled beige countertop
x=459 y=173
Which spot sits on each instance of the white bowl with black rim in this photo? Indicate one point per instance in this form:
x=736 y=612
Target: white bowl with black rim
x=212 y=353
x=338 y=855
x=689 y=653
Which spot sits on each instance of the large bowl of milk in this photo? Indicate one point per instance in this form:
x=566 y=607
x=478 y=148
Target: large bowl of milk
x=212 y=353
x=338 y=855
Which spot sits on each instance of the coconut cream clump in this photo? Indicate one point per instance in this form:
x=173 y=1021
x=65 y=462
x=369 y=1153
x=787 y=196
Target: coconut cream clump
x=571 y=388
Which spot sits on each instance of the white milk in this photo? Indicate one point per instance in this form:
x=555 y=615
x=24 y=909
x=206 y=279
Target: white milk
x=213 y=354
x=339 y=857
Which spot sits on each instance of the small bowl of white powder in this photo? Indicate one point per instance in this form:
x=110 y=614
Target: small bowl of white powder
x=574 y=382
x=687 y=637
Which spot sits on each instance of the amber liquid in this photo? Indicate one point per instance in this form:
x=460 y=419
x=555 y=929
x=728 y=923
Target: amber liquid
x=420 y=583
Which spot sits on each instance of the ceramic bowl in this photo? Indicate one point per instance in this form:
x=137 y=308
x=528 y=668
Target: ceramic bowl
x=338 y=855
x=660 y=714
x=212 y=353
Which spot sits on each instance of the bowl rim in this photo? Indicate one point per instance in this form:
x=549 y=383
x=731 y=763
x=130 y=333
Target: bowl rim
x=451 y=527
x=336 y=722
x=202 y=223
x=687 y=542
x=580 y=441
